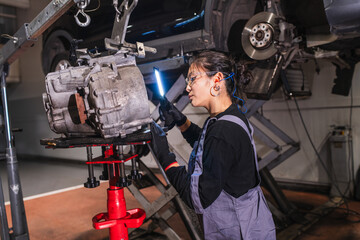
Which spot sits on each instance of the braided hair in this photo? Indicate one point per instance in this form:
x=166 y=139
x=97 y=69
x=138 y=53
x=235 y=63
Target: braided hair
x=235 y=74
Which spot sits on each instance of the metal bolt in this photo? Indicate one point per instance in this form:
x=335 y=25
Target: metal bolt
x=57 y=2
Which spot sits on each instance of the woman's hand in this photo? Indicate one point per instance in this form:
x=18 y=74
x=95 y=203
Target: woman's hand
x=160 y=147
x=170 y=114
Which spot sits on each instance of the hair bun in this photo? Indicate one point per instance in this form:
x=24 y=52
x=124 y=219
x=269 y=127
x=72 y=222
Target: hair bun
x=245 y=75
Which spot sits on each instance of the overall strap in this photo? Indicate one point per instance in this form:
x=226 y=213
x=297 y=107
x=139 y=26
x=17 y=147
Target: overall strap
x=195 y=176
x=241 y=123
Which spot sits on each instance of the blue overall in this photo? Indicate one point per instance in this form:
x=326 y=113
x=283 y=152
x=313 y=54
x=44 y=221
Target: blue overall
x=245 y=217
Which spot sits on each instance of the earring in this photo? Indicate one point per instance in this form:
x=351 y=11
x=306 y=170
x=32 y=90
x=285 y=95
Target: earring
x=217 y=88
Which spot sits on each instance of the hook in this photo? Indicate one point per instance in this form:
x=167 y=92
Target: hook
x=83 y=4
x=82 y=24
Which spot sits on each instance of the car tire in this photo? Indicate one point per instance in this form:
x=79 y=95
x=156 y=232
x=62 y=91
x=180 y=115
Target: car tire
x=55 y=43
x=234 y=38
x=60 y=61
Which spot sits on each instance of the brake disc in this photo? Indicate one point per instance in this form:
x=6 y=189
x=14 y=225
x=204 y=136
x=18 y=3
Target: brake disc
x=258 y=36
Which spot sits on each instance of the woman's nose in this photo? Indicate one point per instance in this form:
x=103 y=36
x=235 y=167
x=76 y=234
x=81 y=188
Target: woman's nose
x=188 y=88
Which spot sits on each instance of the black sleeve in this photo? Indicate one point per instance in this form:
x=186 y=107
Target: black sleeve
x=192 y=134
x=216 y=165
x=218 y=159
x=181 y=180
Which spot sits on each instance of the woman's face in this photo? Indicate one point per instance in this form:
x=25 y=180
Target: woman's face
x=198 y=87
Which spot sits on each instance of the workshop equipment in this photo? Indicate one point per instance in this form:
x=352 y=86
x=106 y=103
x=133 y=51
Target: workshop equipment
x=20 y=228
x=117 y=219
x=340 y=149
x=22 y=39
x=107 y=97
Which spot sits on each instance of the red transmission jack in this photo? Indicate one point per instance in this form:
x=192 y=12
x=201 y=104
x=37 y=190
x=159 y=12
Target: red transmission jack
x=118 y=219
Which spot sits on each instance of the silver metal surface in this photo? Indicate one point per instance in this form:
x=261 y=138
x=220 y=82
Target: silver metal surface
x=112 y=93
x=257 y=36
x=122 y=17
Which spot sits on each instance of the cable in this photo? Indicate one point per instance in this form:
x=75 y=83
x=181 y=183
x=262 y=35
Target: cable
x=351 y=164
x=286 y=85
x=95 y=9
x=350 y=142
x=313 y=146
x=343 y=198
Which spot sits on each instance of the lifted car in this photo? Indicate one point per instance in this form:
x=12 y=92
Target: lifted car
x=298 y=30
x=172 y=26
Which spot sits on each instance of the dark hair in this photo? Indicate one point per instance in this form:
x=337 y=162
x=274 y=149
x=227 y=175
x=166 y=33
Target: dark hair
x=214 y=62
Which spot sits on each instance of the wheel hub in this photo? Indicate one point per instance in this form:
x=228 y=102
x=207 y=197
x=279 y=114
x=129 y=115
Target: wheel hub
x=261 y=35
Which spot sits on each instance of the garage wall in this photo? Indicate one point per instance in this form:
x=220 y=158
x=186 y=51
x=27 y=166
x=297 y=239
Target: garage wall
x=319 y=111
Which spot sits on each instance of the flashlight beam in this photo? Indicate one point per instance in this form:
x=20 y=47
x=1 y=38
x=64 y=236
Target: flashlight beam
x=159 y=82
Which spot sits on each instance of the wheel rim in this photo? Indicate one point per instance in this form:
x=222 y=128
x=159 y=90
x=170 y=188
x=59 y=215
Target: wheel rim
x=63 y=64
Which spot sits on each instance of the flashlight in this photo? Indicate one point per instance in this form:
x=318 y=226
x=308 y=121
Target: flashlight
x=165 y=105
x=159 y=82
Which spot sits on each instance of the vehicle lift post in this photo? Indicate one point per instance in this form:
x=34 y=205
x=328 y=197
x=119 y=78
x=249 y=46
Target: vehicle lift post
x=117 y=218
x=19 y=229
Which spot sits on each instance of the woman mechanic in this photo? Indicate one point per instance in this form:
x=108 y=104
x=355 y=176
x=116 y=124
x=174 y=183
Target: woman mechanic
x=222 y=181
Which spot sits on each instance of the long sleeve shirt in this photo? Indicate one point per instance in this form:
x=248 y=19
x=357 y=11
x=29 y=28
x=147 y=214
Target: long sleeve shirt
x=228 y=161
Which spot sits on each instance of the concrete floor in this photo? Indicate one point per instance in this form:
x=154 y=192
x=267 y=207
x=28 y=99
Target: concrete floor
x=68 y=214
x=40 y=176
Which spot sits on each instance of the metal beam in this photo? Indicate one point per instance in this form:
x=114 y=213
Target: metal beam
x=268 y=159
x=265 y=138
x=277 y=131
x=283 y=157
x=253 y=106
x=29 y=32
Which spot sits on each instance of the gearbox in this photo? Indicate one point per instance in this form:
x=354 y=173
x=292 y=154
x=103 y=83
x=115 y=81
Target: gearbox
x=105 y=98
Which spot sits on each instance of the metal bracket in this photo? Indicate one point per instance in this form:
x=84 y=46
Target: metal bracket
x=123 y=13
x=117 y=40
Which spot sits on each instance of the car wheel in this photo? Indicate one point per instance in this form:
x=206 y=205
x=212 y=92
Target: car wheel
x=57 y=43
x=60 y=62
x=234 y=39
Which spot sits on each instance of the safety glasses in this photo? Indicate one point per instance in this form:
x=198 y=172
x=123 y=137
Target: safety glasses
x=193 y=76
